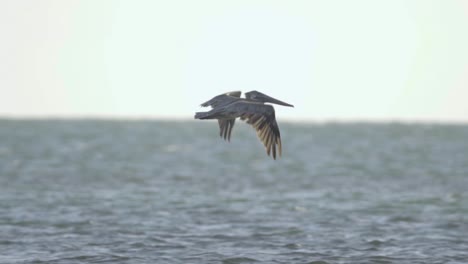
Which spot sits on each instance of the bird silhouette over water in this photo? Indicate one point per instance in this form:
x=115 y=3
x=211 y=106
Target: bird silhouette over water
x=229 y=106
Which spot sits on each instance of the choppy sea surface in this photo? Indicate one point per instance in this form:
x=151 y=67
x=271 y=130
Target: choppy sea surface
x=97 y=191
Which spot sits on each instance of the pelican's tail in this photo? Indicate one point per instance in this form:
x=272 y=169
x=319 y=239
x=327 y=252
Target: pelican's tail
x=203 y=115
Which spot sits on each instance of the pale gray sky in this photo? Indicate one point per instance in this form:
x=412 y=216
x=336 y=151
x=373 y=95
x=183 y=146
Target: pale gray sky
x=345 y=60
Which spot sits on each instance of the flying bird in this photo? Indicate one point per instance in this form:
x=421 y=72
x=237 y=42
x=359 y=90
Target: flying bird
x=252 y=109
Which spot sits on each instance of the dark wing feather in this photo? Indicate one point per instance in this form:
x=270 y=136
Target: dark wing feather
x=225 y=125
x=225 y=128
x=262 y=118
x=222 y=99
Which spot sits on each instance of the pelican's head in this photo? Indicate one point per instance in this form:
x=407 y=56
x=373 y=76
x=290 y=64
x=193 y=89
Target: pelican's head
x=260 y=97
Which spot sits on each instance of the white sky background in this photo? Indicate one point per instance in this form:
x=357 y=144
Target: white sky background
x=334 y=60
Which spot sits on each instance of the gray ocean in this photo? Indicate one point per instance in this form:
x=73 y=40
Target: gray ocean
x=145 y=191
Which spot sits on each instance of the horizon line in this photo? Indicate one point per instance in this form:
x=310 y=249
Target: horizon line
x=311 y=120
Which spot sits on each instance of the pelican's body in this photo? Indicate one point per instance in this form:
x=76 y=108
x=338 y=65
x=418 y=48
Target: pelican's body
x=229 y=106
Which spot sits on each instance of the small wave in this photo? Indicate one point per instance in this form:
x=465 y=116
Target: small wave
x=317 y=262
x=236 y=260
x=112 y=258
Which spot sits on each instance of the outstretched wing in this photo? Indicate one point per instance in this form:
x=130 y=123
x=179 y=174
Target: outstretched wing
x=222 y=99
x=262 y=118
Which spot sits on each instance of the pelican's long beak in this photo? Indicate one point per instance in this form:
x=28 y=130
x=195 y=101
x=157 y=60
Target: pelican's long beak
x=272 y=100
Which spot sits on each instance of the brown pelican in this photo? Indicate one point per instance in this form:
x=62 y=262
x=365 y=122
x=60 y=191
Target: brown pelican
x=229 y=106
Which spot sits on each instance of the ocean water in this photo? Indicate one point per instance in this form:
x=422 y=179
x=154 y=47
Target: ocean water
x=97 y=191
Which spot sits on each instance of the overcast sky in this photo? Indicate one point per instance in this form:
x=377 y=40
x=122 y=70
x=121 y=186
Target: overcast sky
x=334 y=60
